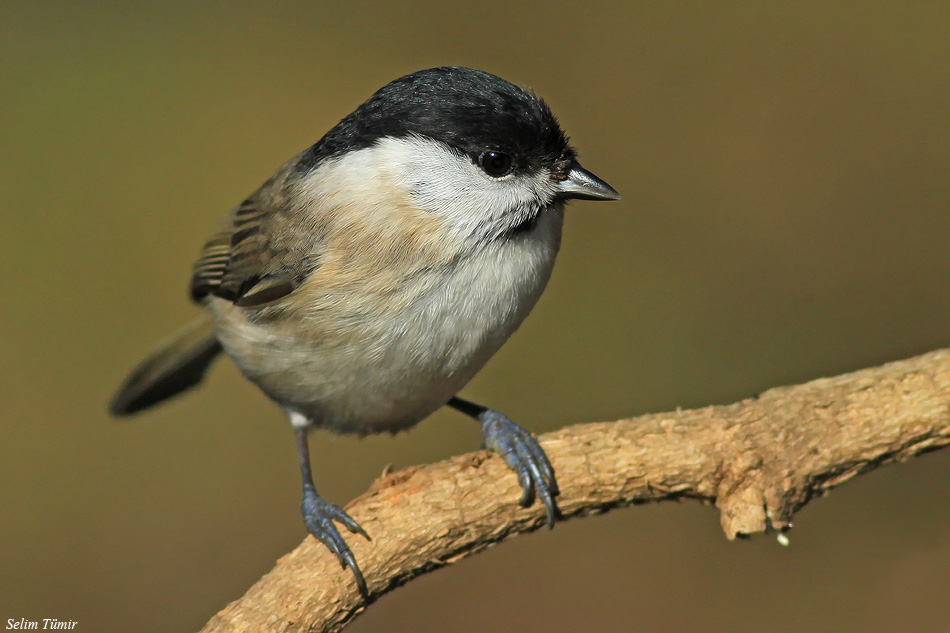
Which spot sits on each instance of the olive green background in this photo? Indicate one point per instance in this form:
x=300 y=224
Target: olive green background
x=785 y=169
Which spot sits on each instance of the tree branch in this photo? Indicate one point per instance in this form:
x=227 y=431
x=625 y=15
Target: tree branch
x=758 y=461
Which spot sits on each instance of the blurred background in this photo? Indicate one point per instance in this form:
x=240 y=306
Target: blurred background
x=784 y=169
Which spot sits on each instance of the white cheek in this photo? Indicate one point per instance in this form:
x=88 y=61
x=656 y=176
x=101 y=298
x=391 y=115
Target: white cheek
x=442 y=182
x=436 y=179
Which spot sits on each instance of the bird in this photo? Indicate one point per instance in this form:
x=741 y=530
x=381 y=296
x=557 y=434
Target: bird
x=375 y=273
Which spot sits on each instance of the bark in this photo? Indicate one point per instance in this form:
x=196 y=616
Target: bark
x=758 y=461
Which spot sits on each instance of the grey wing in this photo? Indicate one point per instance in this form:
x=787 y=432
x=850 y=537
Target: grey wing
x=260 y=253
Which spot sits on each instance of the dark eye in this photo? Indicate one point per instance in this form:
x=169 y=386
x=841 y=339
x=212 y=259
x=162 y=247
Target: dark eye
x=496 y=164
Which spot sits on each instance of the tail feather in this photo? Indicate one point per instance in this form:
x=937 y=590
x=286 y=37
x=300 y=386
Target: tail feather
x=179 y=364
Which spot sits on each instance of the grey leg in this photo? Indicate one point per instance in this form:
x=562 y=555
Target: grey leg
x=318 y=516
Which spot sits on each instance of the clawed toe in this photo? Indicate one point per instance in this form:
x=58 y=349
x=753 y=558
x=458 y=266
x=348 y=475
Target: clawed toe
x=524 y=455
x=319 y=517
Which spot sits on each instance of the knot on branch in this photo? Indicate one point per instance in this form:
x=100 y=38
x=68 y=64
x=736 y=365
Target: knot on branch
x=753 y=496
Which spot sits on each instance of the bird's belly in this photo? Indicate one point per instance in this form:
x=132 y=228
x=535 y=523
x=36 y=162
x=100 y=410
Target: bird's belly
x=357 y=368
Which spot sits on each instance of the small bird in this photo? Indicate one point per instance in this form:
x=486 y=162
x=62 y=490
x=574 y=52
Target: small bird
x=366 y=282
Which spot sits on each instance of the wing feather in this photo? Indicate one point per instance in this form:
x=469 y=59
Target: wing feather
x=255 y=257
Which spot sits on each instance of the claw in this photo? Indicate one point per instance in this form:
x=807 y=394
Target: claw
x=527 y=486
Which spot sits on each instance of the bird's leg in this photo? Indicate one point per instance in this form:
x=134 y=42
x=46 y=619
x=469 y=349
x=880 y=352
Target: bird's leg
x=318 y=516
x=520 y=451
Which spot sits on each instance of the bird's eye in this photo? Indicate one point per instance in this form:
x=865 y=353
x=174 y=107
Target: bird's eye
x=496 y=164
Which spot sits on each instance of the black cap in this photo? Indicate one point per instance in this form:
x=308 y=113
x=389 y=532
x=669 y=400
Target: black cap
x=469 y=110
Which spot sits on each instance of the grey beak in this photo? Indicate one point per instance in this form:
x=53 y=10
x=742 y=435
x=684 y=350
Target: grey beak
x=580 y=184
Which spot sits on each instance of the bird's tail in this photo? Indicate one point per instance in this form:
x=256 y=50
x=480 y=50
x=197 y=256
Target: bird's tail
x=178 y=364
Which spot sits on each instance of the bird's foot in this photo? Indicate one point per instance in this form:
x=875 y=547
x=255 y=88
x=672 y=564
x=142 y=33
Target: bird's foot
x=524 y=455
x=318 y=516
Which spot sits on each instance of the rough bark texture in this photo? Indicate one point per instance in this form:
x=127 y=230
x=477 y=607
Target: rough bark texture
x=758 y=461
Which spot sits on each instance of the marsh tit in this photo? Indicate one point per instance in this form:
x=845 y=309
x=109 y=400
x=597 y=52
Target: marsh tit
x=373 y=275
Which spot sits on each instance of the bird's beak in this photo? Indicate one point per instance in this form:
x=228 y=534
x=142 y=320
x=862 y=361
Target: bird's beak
x=582 y=185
